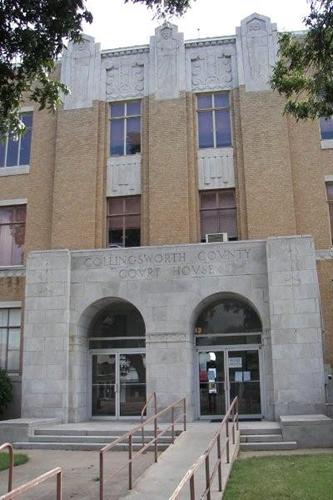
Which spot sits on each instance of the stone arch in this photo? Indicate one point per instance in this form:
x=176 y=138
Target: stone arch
x=79 y=359
x=91 y=312
x=217 y=298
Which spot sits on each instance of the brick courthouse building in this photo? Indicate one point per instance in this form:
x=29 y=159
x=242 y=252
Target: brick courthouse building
x=108 y=288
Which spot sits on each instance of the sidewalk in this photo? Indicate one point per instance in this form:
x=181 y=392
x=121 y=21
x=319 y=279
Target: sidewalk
x=80 y=470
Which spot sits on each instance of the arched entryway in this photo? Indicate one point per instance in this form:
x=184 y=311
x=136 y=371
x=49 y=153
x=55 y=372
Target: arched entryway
x=118 y=366
x=228 y=341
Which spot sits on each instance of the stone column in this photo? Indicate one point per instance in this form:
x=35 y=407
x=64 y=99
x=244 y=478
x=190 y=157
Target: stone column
x=46 y=335
x=298 y=370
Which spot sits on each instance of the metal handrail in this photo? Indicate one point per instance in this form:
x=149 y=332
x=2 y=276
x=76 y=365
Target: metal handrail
x=11 y=463
x=35 y=482
x=152 y=396
x=129 y=436
x=232 y=416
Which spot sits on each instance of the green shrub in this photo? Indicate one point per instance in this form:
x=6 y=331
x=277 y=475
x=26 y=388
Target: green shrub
x=6 y=390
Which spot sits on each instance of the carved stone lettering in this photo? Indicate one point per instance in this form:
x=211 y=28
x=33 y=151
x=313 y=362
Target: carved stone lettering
x=169 y=265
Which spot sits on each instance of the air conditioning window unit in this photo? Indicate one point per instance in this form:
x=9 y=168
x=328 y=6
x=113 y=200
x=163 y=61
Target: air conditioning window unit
x=216 y=237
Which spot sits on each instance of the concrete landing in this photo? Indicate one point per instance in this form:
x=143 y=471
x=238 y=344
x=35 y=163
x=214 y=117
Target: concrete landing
x=160 y=480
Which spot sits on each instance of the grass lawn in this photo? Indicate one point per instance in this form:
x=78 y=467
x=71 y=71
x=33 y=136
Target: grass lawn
x=19 y=459
x=294 y=477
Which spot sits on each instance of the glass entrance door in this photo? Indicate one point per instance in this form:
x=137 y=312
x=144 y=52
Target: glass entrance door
x=132 y=377
x=118 y=384
x=244 y=381
x=226 y=373
x=104 y=385
x=212 y=383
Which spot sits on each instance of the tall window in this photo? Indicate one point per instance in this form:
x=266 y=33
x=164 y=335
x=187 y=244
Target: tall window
x=125 y=128
x=218 y=213
x=326 y=128
x=15 y=151
x=124 y=221
x=329 y=190
x=10 y=339
x=12 y=232
x=214 y=120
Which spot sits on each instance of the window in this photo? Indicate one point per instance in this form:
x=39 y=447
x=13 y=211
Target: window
x=329 y=190
x=12 y=231
x=125 y=128
x=326 y=128
x=124 y=221
x=10 y=339
x=15 y=151
x=218 y=213
x=214 y=120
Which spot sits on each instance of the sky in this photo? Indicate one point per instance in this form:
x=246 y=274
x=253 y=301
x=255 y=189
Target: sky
x=117 y=24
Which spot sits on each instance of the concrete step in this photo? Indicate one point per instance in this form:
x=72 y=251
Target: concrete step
x=261 y=438
x=44 y=438
x=31 y=445
x=269 y=446
x=272 y=429
x=47 y=431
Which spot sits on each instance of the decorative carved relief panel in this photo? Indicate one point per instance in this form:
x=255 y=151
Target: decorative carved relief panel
x=216 y=168
x=211 y=70
x=123 y=175
x=256 y=51
x=167 y=62
x=211 y=67
x=124 y=79
x=80 y=71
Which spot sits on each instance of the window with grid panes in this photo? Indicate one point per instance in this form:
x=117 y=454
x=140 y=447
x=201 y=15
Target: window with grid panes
x=214 y=127
x=15 y=151
x=125 y=128
x=10 y=339
x=329 y=190
x=12 y=234
x=218 y=213
x=124 y=221
x=326 y=128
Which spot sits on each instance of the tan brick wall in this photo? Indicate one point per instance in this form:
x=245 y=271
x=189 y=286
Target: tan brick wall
x=145 y=174
x=239 y=166
x=267 y=166
x=169 y=180
x=37 y=186
x=80 y=165
x=325 y=275
x=308 y=182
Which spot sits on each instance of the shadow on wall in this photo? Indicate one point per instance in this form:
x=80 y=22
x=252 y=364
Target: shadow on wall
x=14 y=408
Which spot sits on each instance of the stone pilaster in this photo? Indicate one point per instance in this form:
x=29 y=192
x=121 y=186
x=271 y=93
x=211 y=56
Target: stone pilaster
x=45 y=375
x=298 y=371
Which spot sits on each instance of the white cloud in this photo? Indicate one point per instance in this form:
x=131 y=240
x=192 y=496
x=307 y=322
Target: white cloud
x=117 y=24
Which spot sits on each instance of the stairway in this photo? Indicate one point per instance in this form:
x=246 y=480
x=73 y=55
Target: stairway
x=265 y=437
x=81 y=439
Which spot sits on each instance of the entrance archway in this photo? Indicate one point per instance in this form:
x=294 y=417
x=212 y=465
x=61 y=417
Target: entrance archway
x=118 y=368
x=228 y=339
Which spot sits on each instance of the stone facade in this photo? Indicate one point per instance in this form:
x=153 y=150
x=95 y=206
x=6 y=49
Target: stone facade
x=278 y=171
x=65 y=289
